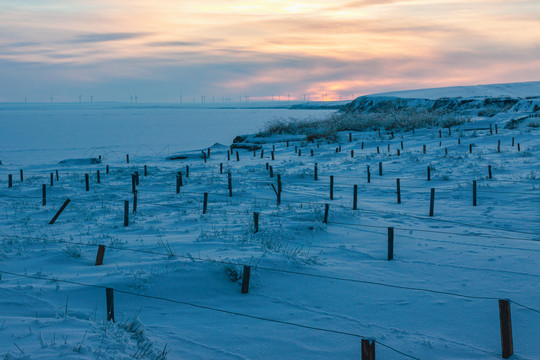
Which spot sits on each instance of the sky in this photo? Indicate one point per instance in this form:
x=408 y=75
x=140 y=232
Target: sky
x=174 y=50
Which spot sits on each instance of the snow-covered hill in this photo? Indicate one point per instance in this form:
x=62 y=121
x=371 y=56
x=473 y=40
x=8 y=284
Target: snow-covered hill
x=482 y=100
x=514 y=90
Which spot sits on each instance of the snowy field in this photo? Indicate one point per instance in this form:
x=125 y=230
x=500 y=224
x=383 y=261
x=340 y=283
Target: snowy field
x=315 y=289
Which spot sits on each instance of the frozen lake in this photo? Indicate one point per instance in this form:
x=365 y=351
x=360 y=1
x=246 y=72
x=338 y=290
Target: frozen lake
x=47 y=133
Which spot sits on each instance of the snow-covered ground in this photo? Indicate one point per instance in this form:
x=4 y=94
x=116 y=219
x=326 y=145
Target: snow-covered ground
x=315 y=289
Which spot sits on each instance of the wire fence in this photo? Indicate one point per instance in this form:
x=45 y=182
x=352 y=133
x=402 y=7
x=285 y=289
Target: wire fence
x=274 y=269
x=311 y=203
x=210 y=308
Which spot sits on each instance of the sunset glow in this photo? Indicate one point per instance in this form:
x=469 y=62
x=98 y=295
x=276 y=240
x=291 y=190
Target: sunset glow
x=164 y=49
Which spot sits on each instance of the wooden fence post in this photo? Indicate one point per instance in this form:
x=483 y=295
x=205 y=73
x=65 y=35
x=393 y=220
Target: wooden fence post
x=179 y=178
x=278 y=189
x=245 y=279
x=237 y=156
x=127 y=158
x=228 y=155
x=432 y=202
x=87 y=182
x=271 y=169
x=368 y=175
x=52 y=179
x=221 y=168
x=499 y=146
x=512 y=141
x=505 y=318
x=135 y=202
x=315 y=175
x=326 y=209
x=21 y=171
x=44 y=194
x=352 y=153
x=424 y=150
x=378 y=152
x=110 y=304
x=177 y=184
x=100 y=254
x=519 y=148
x=10 y=181
x=59 y=211
x=390 y=243
x=474 y=193
x=255 y=222
x=368 y=348
x=496 y=129
x=145 y=170
x=489 y=172
x=229 y=180
x=398 y=188
x=380 y=168
x=98 y=177
x=350 y=137
x=126 y=213
x=137 y=178
x=331 y=187
x=106 y=170
x=429 y=173
x=401 y=144
x=470 y=148
x=205 y=203
x=311 y=152
x=355 y=197
x=272 y=153
x=133 y=184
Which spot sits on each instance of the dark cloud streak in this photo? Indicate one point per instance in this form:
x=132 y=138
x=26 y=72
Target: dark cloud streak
x=106 y=37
